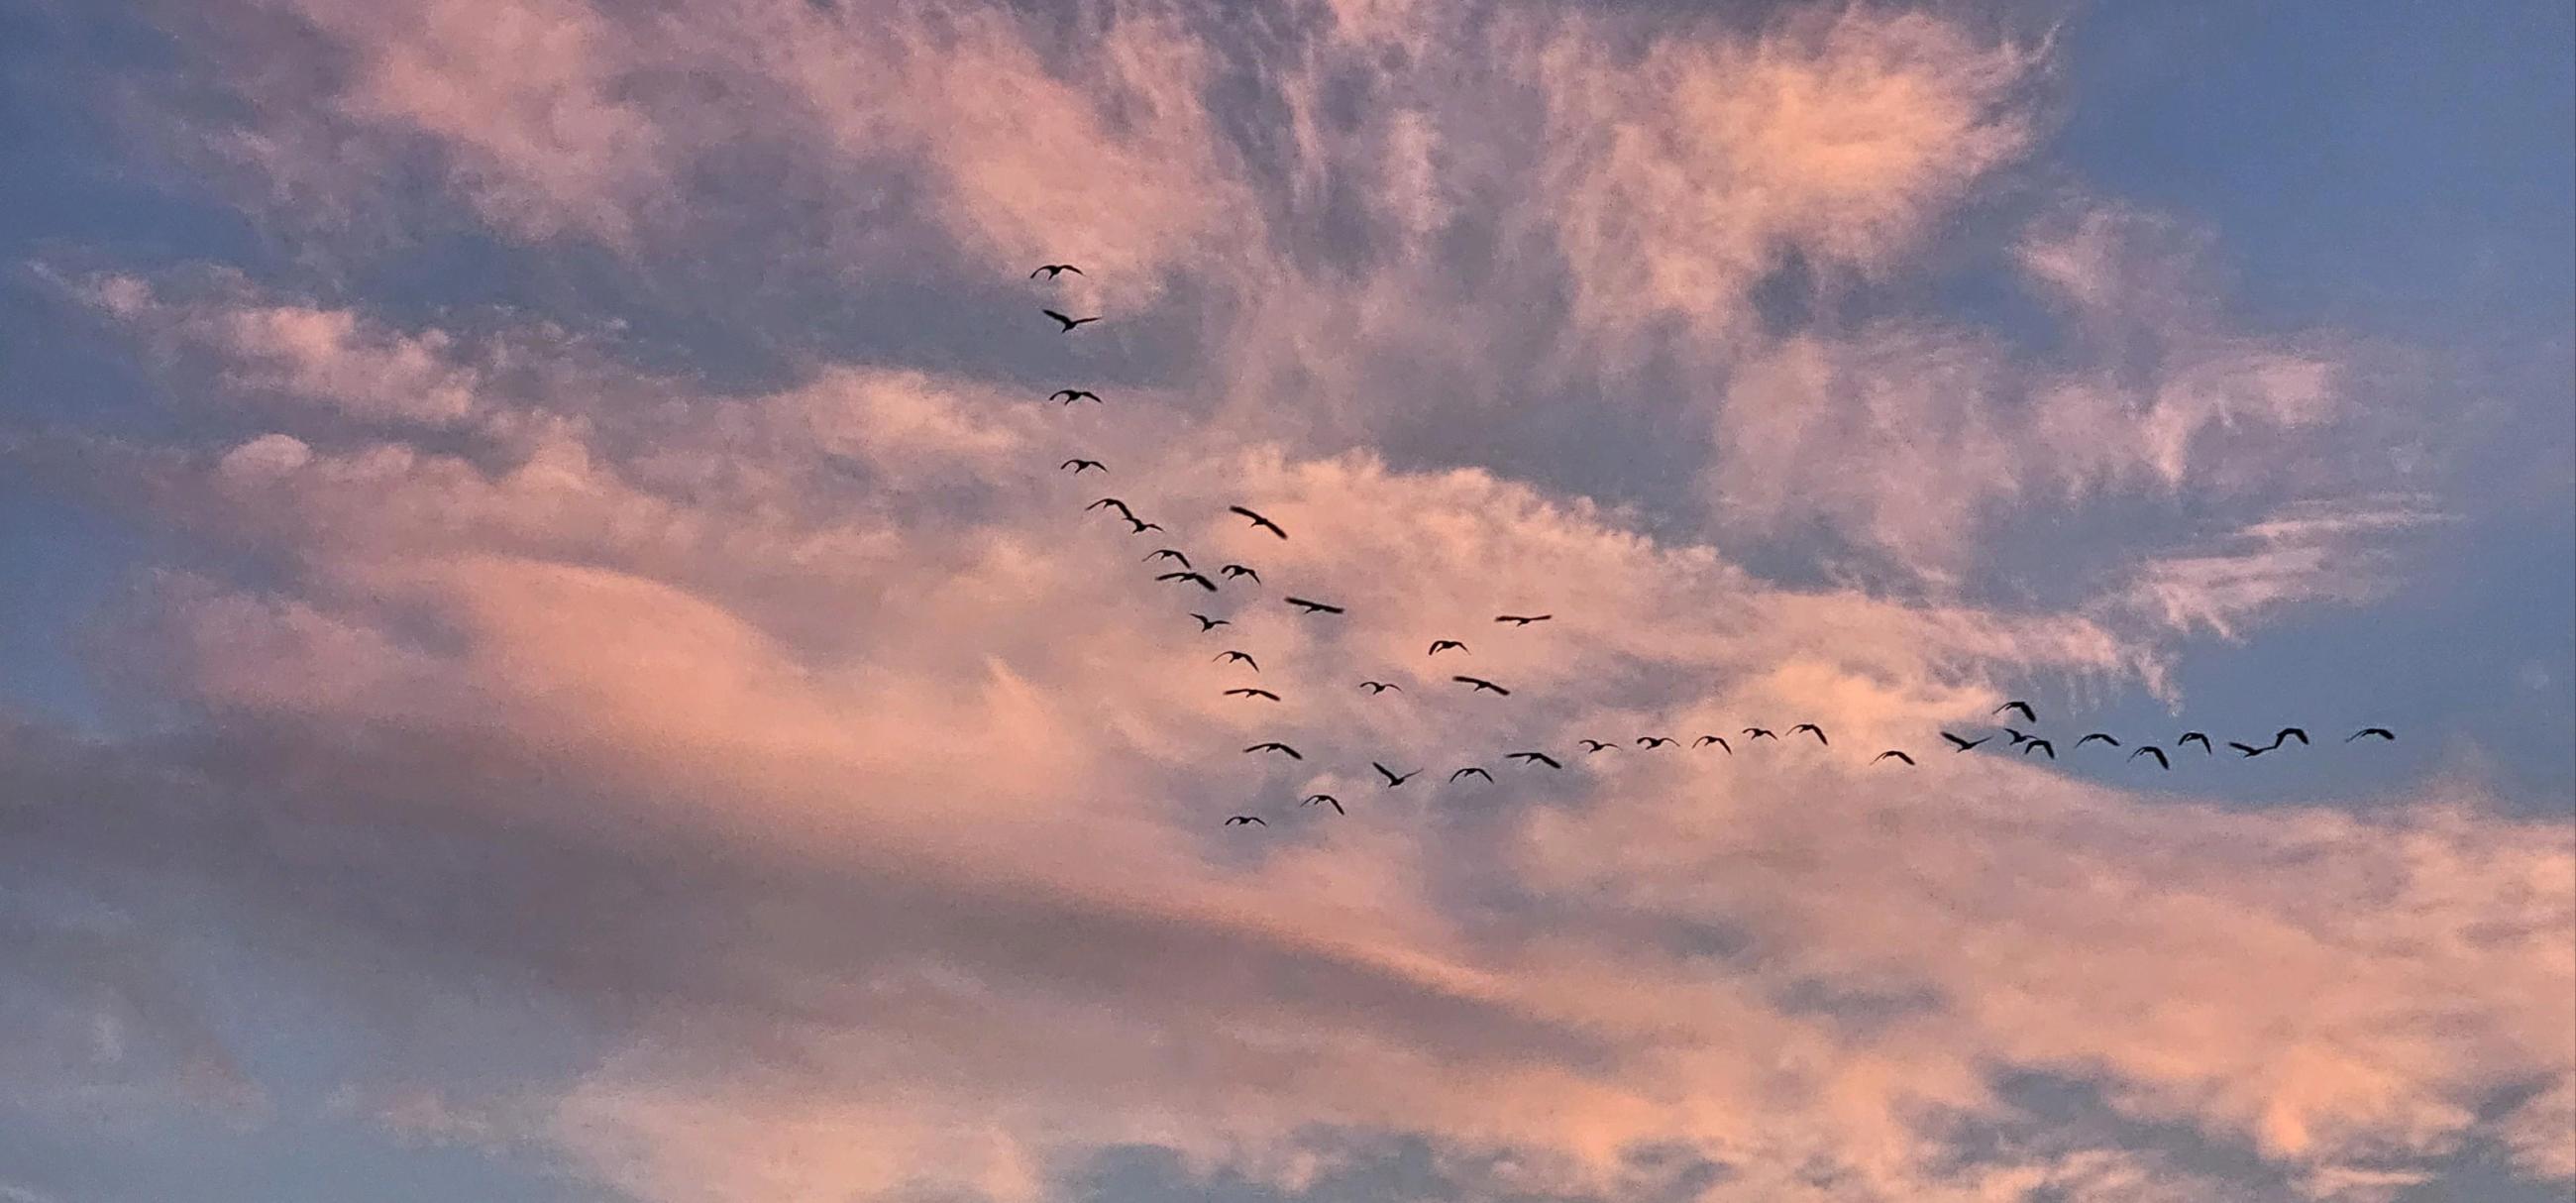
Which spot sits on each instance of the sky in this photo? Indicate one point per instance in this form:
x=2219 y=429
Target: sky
x=546 y=653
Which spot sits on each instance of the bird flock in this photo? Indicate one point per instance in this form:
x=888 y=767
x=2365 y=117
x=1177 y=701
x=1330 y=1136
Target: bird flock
x=1187 y=573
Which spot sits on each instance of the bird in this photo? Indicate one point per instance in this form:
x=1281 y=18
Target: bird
x=1081 y=466
x=1245 y=819
x=1393 y=778
x=2247 y=750
x=1232 y=571
x=1142 y=526
x=1891 y=752
x=2018 y=738
x=1534 y=758
x=2024 y=707
x=1276 y=746
x=2381 y=732
x=1471 y=769
x=1596 y=745
x=1068 y=322
x=1052 y=270
x=1814 y=730
x=1313 y=607
x=1258 y=520
x=1207 y=624
x=2290 y=733
x=2195 y=736
x=1251 y=693
x=1169 y=553
x=1231 y=656
x=1071 y=395
x=2097 y=735
x=1719 y=740
x=2039 y=745
x=1652 y=741
x=1197 y=578
x=1335 y=803
x=1378 y=687
x=1520 y=620
x=1962 y=745
x=1760 y=733
x=1441 y=645
x=1483 y=686
x=1114 y=504
x=2152 y=750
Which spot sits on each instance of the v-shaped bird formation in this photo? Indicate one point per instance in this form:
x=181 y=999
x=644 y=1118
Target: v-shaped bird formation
x=2020 y=742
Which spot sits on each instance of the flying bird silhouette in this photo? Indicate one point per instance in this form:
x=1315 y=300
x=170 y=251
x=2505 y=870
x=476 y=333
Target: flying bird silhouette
x=1719 y=740
x=2196 y=737
x=1761 y=733
x=1207 y=624
x=1195 y=578
x=1276 y=746
x=1891 y=752
x=1052 y=270
x=2039 y=745
x=1812 y=729
x=2152 y=750
x=1313 y=607
x=2381 y=732
x=1378 y=687
x=2247 y=750
x=1230 y=656
x=1441 y=645
x=1068 y=322
x=1169 y=553
x=2290 y=733
x=1394 y=779
x=1070 y=395
x=1653 y=741
x=1081 y=466
x=1595 y=745
x=1232 y=571
x=1471 y=769
x=1245 y=819
x=1251 y=693
x=1141 y=526
x=2024 y=707
x=1336 y=803
x=2018 y=738
x=1483 y=686
x=1962 y=745
x=2097 y=735
x=1522 y=620
x=1112 y=503
x=1258 y=520
x=1533 y=758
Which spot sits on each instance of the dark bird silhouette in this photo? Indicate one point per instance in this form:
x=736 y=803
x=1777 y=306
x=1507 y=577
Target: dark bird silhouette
x=1394 y=779
x=2247 y=750
x=2024 y=707
x=2018 y=738
x=1471 y=769
x=1719 y=740
x=1760 y=733
x=2196 y=737
x=1081 y=466
x=1245 y=819
x=1653 y=741
x=1441 y=645
x=1251 y=693
x=1232 y=571
x=2039 y=745
x=1052 y=270
x=1141 y=526
x=1534 y=758
x=1520 y=620
x=2097 y=735
x=1891 y=752
x=1169 y=553
x=2290 y=733
x=1962 y=745
x=1195 y=578
x=1483 y=686
x=1812 y=729
x=1114 y=504
x=1258 y=520
x=1068 y=322
x=2381 y=732
x=2152 y=750
x=1313 y=607
x=1595 y=745
x=1327 y=799
x=1378 y=687
x=1276 y=746
x=1207 y=624
x=1230 y=656
x=1071 y=395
